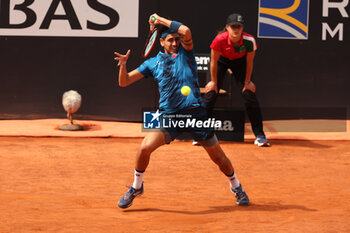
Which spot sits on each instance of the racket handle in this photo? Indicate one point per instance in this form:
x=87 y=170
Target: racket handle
x=153 y=18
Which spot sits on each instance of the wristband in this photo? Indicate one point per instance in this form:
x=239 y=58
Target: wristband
x=174 y=26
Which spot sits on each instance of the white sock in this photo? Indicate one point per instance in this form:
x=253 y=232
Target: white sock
x=234 y=182
x=138 y=176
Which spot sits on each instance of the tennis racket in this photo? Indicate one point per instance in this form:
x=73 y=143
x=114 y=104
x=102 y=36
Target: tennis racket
x=151 y=40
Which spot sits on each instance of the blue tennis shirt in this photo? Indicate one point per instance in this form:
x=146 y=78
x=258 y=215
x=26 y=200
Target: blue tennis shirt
x=172 y=72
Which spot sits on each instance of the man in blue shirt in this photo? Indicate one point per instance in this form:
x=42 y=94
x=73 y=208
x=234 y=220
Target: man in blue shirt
x=172 y=69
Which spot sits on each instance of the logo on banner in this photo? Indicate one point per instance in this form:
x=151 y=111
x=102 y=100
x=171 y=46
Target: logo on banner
x=88 y=18
x=203 y=62
x=283 y=19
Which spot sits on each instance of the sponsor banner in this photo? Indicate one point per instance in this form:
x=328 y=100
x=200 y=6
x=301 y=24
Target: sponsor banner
x=286 y=19
x=203 y=67
x=203 y=62
x=233 y=120
x=69 y=18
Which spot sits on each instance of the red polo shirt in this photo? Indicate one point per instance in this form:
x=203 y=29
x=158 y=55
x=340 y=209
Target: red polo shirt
x=223 y=45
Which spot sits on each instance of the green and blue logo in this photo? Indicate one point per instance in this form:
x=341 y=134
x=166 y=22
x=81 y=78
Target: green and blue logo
x=286 y=19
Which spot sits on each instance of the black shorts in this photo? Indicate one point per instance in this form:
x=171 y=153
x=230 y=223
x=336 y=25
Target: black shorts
x=188 y=116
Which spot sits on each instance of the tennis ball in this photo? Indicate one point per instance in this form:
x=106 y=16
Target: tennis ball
x=185 y=90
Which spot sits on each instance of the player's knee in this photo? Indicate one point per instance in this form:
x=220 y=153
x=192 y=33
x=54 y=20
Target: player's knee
x=145 y=149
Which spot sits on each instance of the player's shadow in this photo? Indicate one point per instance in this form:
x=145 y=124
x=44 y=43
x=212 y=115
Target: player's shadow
x=224 y=209
x=288 y=142
x=302 y=143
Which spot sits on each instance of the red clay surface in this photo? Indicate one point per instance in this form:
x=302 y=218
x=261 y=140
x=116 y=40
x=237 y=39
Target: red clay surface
x=73 y=185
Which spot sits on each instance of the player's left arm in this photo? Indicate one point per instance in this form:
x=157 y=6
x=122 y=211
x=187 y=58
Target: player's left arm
x=181 y=29
x=126 y=78
x=248 y=84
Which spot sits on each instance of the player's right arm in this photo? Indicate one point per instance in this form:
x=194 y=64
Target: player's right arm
x=126 y=78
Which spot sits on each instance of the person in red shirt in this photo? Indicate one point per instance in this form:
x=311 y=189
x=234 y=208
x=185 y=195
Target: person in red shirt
x=235 y=50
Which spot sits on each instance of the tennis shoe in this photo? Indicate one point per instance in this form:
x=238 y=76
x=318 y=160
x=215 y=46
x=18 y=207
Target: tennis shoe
x=261 y=141
x=241 y=196
x=127 y=199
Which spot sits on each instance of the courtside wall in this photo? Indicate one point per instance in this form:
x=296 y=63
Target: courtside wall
x=35 y=70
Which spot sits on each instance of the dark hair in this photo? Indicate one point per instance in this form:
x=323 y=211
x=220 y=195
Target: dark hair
x=222 y=30
x=161 y=28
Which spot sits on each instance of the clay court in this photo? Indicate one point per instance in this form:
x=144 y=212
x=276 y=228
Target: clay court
x=72 y=184
x=291 y=53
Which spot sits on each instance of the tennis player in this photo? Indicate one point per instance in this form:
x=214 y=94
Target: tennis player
x=172 y=69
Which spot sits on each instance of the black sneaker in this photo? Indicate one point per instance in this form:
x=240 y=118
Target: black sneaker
x=129 y=196
x=242 y=197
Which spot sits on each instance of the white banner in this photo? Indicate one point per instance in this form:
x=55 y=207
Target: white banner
x=72 y=18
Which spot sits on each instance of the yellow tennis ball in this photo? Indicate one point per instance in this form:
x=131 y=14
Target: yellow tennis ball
x=185 y=90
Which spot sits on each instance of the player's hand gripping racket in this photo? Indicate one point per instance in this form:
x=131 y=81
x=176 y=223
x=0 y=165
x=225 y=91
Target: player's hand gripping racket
x=151 y=39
